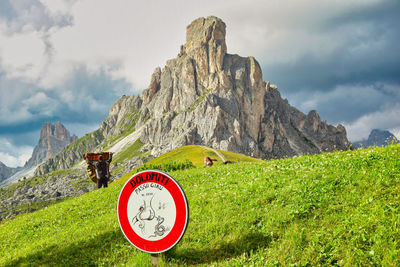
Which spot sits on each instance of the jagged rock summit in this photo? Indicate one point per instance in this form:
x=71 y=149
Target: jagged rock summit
x=53 y=138
x=206 y=96
x=377 y=138
x=6 y=172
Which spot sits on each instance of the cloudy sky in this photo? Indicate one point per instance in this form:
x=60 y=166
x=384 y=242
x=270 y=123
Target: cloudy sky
x=70 y=60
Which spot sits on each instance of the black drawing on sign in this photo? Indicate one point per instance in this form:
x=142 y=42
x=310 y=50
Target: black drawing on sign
x=161 y=206
x=159 y=229
x=146 y=213
x=137 y=218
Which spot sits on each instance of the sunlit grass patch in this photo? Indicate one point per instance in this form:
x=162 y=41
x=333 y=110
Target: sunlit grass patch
x=340 y=208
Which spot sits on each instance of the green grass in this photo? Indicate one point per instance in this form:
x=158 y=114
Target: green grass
x=167 y=167
x=128 y=153
x=196 y=155
x=340 y=208
x=84 y=143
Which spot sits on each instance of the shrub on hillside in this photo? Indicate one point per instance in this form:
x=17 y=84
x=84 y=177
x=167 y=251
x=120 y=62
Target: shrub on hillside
x=169 y=166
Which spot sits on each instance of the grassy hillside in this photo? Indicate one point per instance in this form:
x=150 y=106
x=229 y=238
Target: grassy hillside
x=196 y=155
x=339 y=208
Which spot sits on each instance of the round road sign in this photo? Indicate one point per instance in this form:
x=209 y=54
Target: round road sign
x=153 y=211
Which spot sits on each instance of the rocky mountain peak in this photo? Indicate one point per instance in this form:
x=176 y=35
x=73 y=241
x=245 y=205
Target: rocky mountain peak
x=56 y=130
x=6 y=172
x=376 y=133
x=377 y=138
x=206 y=96
x=53 y=138
x=206 y=46
x=206 y=33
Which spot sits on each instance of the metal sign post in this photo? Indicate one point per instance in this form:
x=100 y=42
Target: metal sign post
x=153 y=211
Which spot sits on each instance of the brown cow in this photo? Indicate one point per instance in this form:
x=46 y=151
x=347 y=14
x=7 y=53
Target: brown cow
x=208 y=162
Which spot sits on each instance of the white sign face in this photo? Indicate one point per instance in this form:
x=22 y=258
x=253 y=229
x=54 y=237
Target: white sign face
x=153 y=211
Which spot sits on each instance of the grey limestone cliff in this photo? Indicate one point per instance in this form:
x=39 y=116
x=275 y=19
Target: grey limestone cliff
x=53 y=138
x=206 y=96
x=6 y=172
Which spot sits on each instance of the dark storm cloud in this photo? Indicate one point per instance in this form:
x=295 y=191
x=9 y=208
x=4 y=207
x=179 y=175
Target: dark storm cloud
x=367 y=52
x=25 y=137
x=347 y=103
x=90 y=96
x=350 y=76
x=84 y=98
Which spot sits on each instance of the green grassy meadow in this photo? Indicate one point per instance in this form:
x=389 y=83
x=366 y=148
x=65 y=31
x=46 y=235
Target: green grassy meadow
x=196 y=155
x=340 y=208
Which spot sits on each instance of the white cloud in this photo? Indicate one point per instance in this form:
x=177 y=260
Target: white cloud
x=26 y=105
x=22 y=54
x=14 y=114
x=37 y=100
x=41 y=103
x=15 y=156
x=59 y=6
x=32 y=15
x=132 y=38
x=126 y=38
x=15 y=161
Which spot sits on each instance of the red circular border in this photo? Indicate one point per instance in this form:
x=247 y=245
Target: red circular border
x=177 y=231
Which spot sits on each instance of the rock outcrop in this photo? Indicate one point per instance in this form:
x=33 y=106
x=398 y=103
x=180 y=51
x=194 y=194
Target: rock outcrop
x=53 y=138
x=122 y=116
x=71 y=153
x=377 y=138
x=209 y=97
x=206 y=96
x=6 y=172
x=121 y=119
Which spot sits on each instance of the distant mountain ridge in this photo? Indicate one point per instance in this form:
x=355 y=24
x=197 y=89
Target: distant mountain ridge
x=6 y=172
x=53 y=138
x=377 y=138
